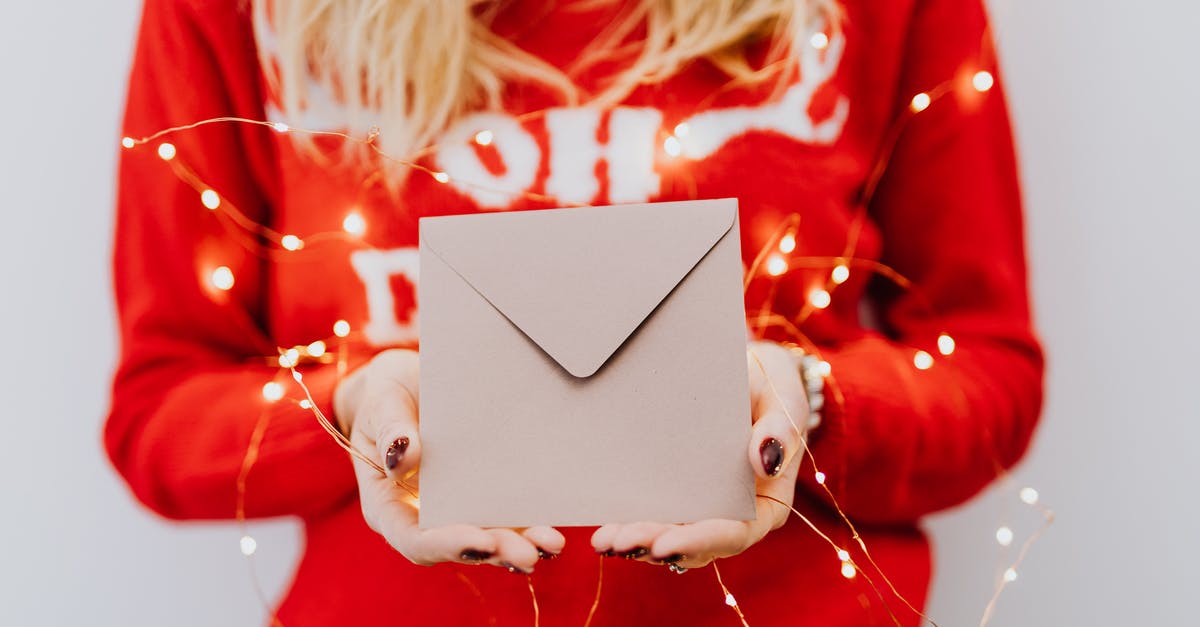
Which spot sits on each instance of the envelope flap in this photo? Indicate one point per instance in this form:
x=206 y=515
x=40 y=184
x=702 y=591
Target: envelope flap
x=579 y=281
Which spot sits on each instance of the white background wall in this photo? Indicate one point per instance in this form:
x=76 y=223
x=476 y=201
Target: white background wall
x=1105 y=98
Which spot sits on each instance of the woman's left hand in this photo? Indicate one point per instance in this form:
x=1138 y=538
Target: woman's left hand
x=779 y=410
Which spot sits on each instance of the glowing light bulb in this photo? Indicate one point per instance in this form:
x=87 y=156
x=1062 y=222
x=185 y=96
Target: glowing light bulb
x=291 y=242
x=128 y=142
x=776 y=265
x=787 y=243
x=819 y=298
x=1004 y=536
x=729 y=600
x=280 y=127
x=920 y=102
x=166 y=151
x=923 y=360
x=222 y=278
x=316 y=349
x=844 y=555
x=249 y=545
x=945 y=344
x=682 y=129
x=983 y=81
x=354 y=224
x=210 y=199
x=484 y=138
x=671 y=146
x=289 y=358
x=306 y=404
x=1029 y=496
x=819 y=41
x=1010 y=575
x=341 y=328
x=272 y=391
x=441 y=177
x=839 y=274
x=848 y=570
x=297 y=376
x=820 y=477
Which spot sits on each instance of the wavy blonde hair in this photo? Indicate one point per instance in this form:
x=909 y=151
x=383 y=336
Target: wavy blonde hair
x=418 y=65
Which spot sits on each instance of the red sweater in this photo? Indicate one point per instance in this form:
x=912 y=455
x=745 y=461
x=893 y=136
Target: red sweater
x=904 y=443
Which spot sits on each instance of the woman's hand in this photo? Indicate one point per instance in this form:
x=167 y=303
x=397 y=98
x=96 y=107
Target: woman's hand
x=779 y=409
x=377 y=406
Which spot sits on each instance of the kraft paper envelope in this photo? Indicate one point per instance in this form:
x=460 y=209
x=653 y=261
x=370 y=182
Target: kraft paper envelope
x=584 y=366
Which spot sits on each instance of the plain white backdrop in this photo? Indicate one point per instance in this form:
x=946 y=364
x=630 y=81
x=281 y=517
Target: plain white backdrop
x=1105 y=100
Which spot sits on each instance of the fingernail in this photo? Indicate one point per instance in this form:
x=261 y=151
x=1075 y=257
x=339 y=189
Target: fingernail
x=670 y=559
x=606 y=553
x=395 y=452
x=513 y=569
x=546 y=555
x=635 y=553
x=772 y=456
x=471 y=555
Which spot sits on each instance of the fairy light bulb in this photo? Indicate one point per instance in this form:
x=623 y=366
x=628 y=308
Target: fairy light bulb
x=671 y=146
x=776 y=265
x=819 y=41
x=291 y=242
x=820 y=477
x=248 y=545
x=682 y=129
x=341 y=328
x=166 y=151
x=848 y=570
x=222 y=278
x=441 y=177
x=210 y=199
x=272 y=391
x=945 y=344
x=983 y=81
x=787 y=243
x=316 y=349
x=128 y=142
x=922 y=360
x=289 y=358
x=839 y=274
x=484 y=138
x=1029 y=496
x=354 y=224
x=1010 y=575
x=729 y=600
x=819 y=298
x=843 y=555
x=305 y=404
x=920 y=102
x=280 y=127
x=1004 y=536
x=297 y=376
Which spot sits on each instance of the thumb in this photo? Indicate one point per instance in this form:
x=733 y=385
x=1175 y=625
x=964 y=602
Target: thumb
x=780 y=409
x=391 y=423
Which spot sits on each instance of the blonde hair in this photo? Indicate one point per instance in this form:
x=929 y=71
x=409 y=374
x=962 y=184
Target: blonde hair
x=418 y=65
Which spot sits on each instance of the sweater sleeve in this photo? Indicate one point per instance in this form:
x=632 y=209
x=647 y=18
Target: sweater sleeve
x=187 y=393
x=906 y=442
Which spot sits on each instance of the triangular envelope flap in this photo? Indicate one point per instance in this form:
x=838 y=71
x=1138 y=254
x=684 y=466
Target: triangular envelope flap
x=579 y=281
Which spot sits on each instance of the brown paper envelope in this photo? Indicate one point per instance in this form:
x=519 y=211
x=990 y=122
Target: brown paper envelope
x=584 y=366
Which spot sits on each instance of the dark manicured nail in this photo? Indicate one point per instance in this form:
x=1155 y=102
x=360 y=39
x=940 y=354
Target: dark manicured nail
x=395 y=453
x=670 y=559
x=635 y=553
x=546 y=555
x=471 y=555
x=772 y=456
x=513 y=569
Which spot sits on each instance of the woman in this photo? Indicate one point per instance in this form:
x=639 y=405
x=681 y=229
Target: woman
x=785 y=104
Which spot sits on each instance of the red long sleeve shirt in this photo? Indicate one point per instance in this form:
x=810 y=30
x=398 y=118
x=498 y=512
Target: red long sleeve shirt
x=904 y=443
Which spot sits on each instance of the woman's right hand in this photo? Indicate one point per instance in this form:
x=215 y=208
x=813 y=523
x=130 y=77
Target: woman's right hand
x=377 y=406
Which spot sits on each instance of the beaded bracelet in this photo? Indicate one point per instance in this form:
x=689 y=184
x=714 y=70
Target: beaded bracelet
x=813 y=371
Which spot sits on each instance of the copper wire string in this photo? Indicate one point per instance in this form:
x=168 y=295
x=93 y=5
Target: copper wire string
x=596 y=599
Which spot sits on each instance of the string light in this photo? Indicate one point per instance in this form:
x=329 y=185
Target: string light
x=682 y=129
x=341 y=328
x=787 y=243
x=222 y=278
x=920 y=102
x=291 y=242
x=945 y=344
x=848 y=570
x=730 y=600
x=983 y=81
x=819 y=41
x=272 y=391
x=1029 y=496
x=1010 y=575
x=354 y=224
x=316 y=349
x=776 y=265
x=280 y=127
x=922 y=360
x=843 y=555
x=671 y=146
x=839 y=274
x=128 y=142
x=484 y=138
x=1004 y=536
x=820 y=477
x=819 y=298
x=210 y=199
x=305 y=404
x=166 y=151
x=441 y=177
x=248 y=545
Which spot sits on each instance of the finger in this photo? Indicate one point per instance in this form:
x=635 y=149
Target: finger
x=514 y=552
x=697 y=544
x=547 y=540
x=779 y=413
x=389 y=422
x=633 y=541
x=602 y=538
